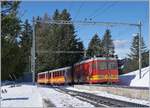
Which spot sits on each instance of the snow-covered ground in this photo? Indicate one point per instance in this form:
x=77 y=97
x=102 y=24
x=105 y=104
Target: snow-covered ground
x=27 y=95
x=32 y=96
x=132 y=78
x=105 y=94
x=21 y=96
x=61 y=99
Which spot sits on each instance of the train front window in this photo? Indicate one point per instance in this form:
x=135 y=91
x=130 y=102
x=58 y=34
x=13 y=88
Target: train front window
x=106 y=65
x=102 y=65
x=112 y=65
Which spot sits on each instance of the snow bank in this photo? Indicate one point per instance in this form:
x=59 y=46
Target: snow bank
x=62 y=99
x=132 y=78
x=21 y=96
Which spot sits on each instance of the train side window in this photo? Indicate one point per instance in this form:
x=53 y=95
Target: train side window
x=112 y=65
x=56 y=74
x=63 y=73
x=102 y=65
x=53 y=74
x=42 y=75
x=59 y=73
x=49 y=75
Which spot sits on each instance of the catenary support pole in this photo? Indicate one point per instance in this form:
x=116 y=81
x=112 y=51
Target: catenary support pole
x=33 y=53
x=140 y=64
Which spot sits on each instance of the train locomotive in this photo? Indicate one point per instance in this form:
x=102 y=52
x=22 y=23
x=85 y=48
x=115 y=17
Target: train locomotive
x=91 y=71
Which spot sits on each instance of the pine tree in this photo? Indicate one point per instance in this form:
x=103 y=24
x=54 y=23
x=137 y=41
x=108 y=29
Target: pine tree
x=95 y=46
x=10 y=29
x=42 y=37
x=135 y=47
x=57 y=38
x=26 y=43
x=134 y=53
x=108 y=44
x=10 y=22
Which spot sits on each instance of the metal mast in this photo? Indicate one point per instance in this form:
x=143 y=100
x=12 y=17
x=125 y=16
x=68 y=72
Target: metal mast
x=33 y=54
x=140 y=64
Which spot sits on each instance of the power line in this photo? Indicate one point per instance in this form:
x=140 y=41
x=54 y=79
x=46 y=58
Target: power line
x=97 y=10
x=79 y=9
x=69 y=5
x=105 y=9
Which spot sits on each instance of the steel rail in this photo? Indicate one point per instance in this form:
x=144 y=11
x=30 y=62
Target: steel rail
x=99 y=101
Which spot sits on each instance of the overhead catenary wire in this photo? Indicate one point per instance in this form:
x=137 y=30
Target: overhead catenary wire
x=69 y=6
x=103 y=10
x=97 y=10
x=78 y=11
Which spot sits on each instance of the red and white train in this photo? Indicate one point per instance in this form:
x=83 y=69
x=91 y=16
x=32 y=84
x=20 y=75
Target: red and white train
x=93 y=70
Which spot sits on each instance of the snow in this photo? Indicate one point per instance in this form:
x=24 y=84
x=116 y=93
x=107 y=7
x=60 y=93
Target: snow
x=27 y=95
x=132 y=78
x=33 y=95
x=21 y=96
x=62 y=99
x=109 y=95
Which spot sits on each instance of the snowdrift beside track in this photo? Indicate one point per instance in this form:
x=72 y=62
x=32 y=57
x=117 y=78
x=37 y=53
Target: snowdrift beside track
x=132 y=78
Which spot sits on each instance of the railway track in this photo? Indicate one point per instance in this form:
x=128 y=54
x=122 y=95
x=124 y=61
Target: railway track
x=99 y=101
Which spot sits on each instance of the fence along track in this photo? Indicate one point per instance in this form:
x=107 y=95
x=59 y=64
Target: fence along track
x=117 y=86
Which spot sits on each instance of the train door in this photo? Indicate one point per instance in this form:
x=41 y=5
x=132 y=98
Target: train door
x=81 y=74
x=90 y=72
x=113 y=71
x=65 y=76
x=51 y=78
x=46 y=79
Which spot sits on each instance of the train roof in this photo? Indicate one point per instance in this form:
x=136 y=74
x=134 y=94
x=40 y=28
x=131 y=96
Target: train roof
x=59 y=69
x=96 y=58
x=54 y=70
x=42 y=72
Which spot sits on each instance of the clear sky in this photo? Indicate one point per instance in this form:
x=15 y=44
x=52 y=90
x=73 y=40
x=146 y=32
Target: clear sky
x=131 y=12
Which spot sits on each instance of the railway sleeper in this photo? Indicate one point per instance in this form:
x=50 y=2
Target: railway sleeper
x=104 y=100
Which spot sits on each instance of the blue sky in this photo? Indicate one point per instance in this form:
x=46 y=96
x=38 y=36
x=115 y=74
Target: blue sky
x=131 y=12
